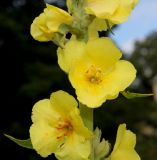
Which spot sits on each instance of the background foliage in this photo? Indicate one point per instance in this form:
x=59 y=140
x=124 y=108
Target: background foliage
x=29 y=72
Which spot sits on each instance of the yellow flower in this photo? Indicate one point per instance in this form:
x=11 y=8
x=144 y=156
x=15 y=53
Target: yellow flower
x=47 y=23
x=96 y=25
x=95 y=70
x=58 y=128
x=116 y=11
x=124 y=146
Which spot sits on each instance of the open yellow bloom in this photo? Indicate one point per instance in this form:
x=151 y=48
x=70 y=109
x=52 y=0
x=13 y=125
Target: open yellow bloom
x=58 y=128
x=116 y=11
x=95 y=70
x=47 y=23
x=124 y=146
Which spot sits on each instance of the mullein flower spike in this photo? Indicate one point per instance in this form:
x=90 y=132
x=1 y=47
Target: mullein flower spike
x=95 y=71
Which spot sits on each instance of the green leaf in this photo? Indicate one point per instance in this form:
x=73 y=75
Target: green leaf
x=130 y=95
x=24 y=143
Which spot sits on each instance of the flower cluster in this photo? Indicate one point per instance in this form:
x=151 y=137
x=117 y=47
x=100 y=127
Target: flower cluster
x=96 y=72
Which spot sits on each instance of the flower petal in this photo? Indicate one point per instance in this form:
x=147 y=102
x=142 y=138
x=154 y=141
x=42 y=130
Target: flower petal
x=43 y=110
x=66 y=105
x=103 y=53
x=101 y=8
x=121 y=76
x=115 y=11
x=68 y=56
x=96 y=25
x=75 y=148
x=124 y=146
x=125 y=154
x=63 y=103
x=123 y=11
x=39 y=30
x=91 y=100
x=44 y=138
x=56 y=16
x=78 y=124
x=120 y=134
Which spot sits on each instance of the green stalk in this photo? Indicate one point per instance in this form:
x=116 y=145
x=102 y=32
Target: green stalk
x=87 y=116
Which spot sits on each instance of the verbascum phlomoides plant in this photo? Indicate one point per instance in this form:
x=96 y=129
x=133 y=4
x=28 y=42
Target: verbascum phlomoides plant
x=63 y=125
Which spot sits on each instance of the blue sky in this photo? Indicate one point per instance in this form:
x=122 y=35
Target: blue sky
x=142 y=22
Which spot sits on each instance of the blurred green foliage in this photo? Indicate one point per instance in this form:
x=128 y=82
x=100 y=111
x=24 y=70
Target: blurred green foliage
x=29 y=72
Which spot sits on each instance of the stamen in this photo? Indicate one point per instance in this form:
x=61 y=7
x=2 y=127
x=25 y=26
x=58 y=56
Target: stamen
x=94 y=75
x=65 y=127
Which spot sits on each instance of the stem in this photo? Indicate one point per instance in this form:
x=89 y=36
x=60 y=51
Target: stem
x=87 y=116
